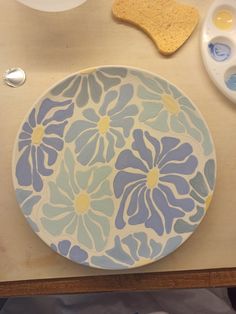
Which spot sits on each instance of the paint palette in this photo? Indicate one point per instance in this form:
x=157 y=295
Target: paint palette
x=219 y=44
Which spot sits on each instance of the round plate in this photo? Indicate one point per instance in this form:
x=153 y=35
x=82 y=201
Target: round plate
x=52 y=5
x=114 y=167
x=218 y=45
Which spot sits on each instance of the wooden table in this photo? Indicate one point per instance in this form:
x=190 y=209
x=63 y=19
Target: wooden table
x=49 y=47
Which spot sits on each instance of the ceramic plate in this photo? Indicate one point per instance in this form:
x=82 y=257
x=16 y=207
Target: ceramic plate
x=114 y=167
x=219 y=44
x=52 y=5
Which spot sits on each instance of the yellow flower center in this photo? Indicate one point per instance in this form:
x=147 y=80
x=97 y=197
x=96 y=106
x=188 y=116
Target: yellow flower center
x=208 y=201
x=104 y=124
x=152 y=178
x=170 y=103
x=82 y=202
x=37 y=135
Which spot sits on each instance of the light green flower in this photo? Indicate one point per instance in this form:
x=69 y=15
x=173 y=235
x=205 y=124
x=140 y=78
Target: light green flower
x=165 y=108
x=80 y=204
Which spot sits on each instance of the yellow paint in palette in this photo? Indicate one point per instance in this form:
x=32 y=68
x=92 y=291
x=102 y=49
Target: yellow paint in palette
x=223 y=19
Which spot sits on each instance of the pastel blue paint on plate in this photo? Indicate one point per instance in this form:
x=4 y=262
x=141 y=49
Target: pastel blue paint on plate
x=219 y=52
x=231 y=82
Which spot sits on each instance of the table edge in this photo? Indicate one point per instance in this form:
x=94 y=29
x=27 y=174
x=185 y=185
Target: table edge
x=222 y=277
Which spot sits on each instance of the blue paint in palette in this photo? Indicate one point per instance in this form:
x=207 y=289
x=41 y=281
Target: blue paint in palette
x=219 y=52
x=231 y=82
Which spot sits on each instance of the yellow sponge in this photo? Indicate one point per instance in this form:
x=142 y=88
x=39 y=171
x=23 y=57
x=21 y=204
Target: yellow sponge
x=167 y=22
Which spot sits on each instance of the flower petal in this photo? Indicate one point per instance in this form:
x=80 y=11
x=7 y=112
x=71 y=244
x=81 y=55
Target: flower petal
x=128 y=111
x=99 y=175
x=132 y=245
x=36 y=178
x=168 y=143
x=32 y=119
x=156 y=145
x=88 y=151
x=70 y=165
x=144 y=249
x=199 y=185
x=181 y=185
x=171 y=245
x=83 y=96
x=154 y=221
x=22 y=195
x=60 y=115
x=178 y=154
x=149 y=82
x=103 y=190
x=187 y=167
x=28 y=205
x=57 y=197
x=99 y=156
x=95 y=88
x=150 y=110
x=64 y=247
x=24 y=136
x=51 y=211
x=54 y=142
x=191 y=131
x=126 y=159
x=71 y=228
x=144 y=93
x=71 y=91
x=77 y=128
x=56 y=227
x=176 y=125
x=125 y=95
x=119 y=222
x=82 y=178
x=47 y=105
x=114 y=71
x=140 y=146
x=119 y=254
x=102 y=221
x=169 y=212
x=91 y=115
x=27 y=128
x=142 y=214
x=198 y=215
x=156 y=249
x=106 y=262
x=23 y=144
x=23 y=168
x=126 y=124
x=77 y=254
x=110 y=149
x=41 y=163
x=57 y=129
x=83 y=139
x=133 y=204
x=108 y=99
x=95 y=232
x=108 y=82
x=184 y=101
x=104 y=206
x=63 y=182
x=52 y=154
x=186 y=204
x=160 y=123
x=83 y=236
x=120 y=142
x=123 y=178
x=209 y=171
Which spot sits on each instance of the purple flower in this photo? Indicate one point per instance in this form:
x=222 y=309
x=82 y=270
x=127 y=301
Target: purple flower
x=152 y=182
x=40 y=140
x=72 y=252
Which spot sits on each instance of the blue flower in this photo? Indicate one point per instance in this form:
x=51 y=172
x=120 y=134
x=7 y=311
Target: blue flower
x=135 y=250
x=40 y=140
x=80 y=204
x=152 y=182
x=72 y=252
x=88 y=85
x=165 y=108
x=97 y=135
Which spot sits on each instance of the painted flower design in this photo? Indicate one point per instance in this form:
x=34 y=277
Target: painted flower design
x=135 y=250
x=152 y=182
x=72 y=252
x=89 y=85
x=165 y=108
x=80 y=204
x=40 y=140
x=27 y=200
x=101 y=131
x=202 y=188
